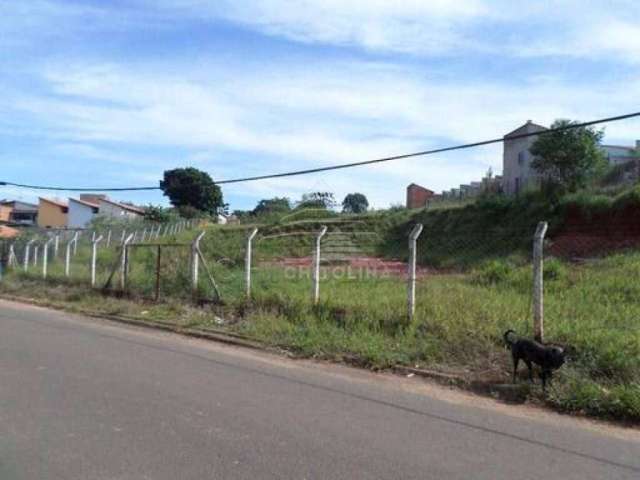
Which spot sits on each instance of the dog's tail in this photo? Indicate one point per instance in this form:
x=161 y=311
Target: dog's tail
x=507 y=338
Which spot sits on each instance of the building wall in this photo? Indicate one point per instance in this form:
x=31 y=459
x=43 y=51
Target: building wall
x=111 y=210
x=517 y=173
x=80 y=215
x=417 y=196
x=5 y=212
x=51 y=215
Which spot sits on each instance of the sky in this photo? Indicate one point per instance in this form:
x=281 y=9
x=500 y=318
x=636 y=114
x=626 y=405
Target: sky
x=111 y=93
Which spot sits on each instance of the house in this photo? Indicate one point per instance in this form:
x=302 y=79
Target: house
x=617 y=155
x=52 y=213
x=81 y=212
x=517 y=173
x=118 y=210
x=417 y=196
x=16 y=212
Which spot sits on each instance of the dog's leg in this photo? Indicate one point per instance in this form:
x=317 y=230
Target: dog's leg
x=516 y=360
x=528 y=362
x=544 y=380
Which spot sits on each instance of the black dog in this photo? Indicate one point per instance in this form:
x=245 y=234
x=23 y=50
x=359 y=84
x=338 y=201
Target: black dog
x=547 y=357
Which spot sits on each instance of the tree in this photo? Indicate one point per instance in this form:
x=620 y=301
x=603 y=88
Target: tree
x=568 y=159
x=157 y=214
x=272 y=205
x=190 y=187
x=324 y=200
x=355 y=203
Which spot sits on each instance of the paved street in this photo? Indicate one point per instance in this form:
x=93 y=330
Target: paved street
x=88 y=399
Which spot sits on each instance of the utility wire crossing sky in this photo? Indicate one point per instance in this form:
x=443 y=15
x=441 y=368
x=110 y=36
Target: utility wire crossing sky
x=345 y=165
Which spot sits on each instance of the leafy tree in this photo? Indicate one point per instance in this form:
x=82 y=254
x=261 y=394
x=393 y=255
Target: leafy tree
x=157 y=213
x=272 y=205
x=355 y=203
x=318 y=200
x=190 y=187
x=567 y=160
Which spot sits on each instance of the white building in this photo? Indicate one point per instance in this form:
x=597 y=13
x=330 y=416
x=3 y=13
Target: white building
x=517 y=173
x=119 y=210
x=81 y=212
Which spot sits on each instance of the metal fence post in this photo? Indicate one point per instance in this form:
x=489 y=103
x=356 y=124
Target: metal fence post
x=194 y=262
x=45 y=257
x=94 y=254
x=316 y=266
x=411 y=274
x=247 y=262
x=538 y=281
x=27 y=248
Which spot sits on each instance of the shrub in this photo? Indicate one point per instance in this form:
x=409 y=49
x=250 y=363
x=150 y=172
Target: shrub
x=493 y=272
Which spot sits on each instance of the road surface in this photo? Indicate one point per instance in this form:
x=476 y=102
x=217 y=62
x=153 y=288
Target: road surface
x=89 y=399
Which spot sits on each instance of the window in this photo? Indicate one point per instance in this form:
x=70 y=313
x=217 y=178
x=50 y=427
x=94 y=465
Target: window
x=522 y=156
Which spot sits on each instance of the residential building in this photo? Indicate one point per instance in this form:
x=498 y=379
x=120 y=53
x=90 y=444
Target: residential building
x=16 y=212
x=417 y=196
x=516 y=158
x=517 y=173
x=52 y=213
x=617 y=155
x=118 y=210
x=81 y=212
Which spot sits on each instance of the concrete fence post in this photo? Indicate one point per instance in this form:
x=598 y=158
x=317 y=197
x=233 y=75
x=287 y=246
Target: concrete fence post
x=124 y=262
x=76 y=236
x=13 y=261
x=56 y=245
x=36 y=249
x=195 y=262
x=123 y=236
x=316 y=265
x=144 y=235
x=411 y=273
x=27 y=249
x=45 y=257
x=538 y=281
x=247 y=262
x=93 y=236
x=94 y=255
x=67 y=258
x=108 y=238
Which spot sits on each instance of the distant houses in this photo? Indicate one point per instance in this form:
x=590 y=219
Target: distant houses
x=81 y=212
x=119 y=210
x=18 y=213
x=517 y=172
x=73 y=213
x=52 y=213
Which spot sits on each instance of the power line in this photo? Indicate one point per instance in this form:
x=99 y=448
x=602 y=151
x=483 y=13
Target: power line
x=348 y=165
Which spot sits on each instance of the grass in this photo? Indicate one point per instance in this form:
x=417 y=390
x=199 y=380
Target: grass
x=458 y=323
x=481 y=289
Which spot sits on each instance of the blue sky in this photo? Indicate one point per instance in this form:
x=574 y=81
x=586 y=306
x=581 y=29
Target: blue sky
x=112 y=93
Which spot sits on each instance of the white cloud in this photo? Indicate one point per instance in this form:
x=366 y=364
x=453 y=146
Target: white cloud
x=287 y=117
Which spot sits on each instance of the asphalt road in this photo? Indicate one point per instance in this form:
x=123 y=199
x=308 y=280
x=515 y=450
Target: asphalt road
x=87 y=399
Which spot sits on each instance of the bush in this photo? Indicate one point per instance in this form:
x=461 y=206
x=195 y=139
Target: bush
x=493 y=272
